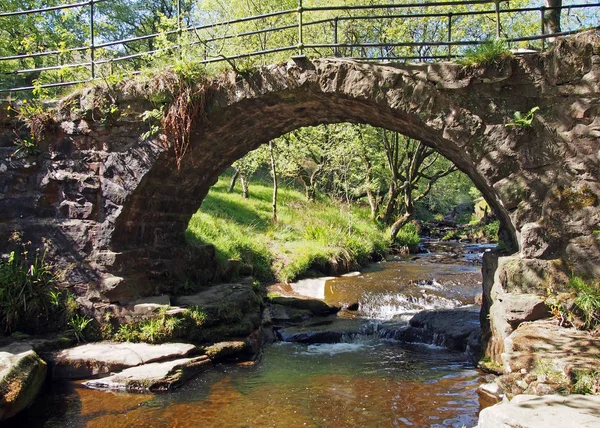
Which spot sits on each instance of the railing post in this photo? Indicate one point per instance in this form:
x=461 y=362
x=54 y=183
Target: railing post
x=300 y=35
x=92 y=48
x=498 y=27
x=179 y=47
x=449 y=35
x=336 y=52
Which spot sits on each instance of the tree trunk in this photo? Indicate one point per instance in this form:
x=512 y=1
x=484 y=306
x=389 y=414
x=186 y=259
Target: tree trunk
x=244 y=183
x=234 y=178
x=551 y=18
x=274 y=174
x=398 y=224
x=372 y=203
x=390 y=206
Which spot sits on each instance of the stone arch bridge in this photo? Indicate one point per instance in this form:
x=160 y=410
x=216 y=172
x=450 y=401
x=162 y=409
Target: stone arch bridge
x=113 y=206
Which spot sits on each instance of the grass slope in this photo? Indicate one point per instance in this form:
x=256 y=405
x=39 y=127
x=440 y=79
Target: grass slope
x=308 y=237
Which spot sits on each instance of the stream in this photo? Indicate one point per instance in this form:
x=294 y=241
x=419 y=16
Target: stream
x=364 y=379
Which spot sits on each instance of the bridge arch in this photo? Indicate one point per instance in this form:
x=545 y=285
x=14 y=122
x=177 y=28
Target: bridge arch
x=116 y=206
x=434 y=103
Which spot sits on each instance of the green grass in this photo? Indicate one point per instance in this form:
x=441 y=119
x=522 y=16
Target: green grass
x=27 y=292
x=309 y=236
x=486 y=53
x=587 y=300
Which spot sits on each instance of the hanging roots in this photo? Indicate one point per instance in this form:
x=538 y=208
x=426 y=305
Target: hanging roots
x=180 y=117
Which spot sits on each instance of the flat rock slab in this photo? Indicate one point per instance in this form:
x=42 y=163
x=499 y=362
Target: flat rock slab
x=94 y=359
x=153 y=377
x=22 y=375
x=565 y=348
x=531 y=411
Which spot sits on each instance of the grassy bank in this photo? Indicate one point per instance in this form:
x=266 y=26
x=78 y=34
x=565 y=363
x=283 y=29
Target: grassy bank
x=309 y=237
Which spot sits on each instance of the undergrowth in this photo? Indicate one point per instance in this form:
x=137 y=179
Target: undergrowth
x=309 y=237
x=162 y=328
x=31 y=301
x=587 y=300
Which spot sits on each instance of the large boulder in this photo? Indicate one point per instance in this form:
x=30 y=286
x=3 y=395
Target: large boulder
x=94 y=359
x=455 y=329
x=22 y=375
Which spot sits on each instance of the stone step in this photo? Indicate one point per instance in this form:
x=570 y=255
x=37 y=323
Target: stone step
x=96 y=359
x=153 y=377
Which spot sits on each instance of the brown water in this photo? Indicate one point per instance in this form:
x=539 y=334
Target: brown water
x=362 y=381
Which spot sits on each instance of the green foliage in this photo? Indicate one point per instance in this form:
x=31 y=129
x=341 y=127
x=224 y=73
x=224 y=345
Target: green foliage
x=77 y=325
x=26 y=281
x=523 y=121
x=587 y=300
x=162 y=327
x=586 y=382
x=25 y=147
x=546 y=367
x=153 y=118
x=491 y=230
x=408 y=237
x=308 y=236
x=486 y=53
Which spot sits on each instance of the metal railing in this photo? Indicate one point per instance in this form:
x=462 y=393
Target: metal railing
x=425 y=31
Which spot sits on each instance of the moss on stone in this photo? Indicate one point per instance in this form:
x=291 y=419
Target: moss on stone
x=21 y=378
x=574 y=199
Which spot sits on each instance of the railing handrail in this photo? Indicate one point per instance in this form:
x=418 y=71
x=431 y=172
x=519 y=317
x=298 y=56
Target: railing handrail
x=93 y=48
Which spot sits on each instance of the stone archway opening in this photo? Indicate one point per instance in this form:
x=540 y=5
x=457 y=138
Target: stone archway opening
x=361 y=150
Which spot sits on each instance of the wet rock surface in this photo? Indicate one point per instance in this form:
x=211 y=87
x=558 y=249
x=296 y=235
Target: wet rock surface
x=456 y=329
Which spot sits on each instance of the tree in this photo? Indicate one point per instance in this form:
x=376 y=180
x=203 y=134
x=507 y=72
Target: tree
x=551 y=17
x=414 y=169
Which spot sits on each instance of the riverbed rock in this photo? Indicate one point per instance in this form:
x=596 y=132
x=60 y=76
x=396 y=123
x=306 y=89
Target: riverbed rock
x=456 y=329
x=153 y=377
x=233 y=311
x=94 y=359
x=286 y=314
x=231 y=350
x=530 y=411
x=320 y=330
x=22 y=375
x=315 y=306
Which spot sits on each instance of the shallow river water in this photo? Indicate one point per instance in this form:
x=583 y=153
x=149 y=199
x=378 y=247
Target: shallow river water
x=365 y=380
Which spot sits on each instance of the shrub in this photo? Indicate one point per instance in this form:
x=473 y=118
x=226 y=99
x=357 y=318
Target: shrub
x=27 y=294
x=408 y=237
